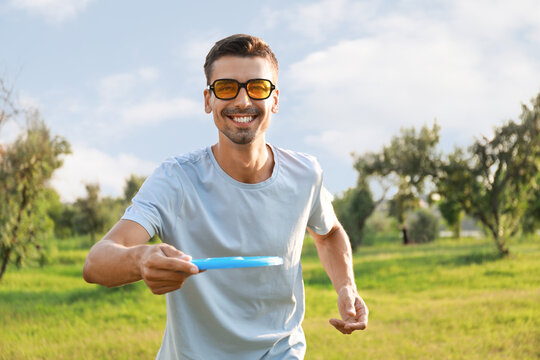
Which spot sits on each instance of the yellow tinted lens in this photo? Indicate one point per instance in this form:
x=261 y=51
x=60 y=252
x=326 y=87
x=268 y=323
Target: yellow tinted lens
x=226 y=89
x=259 y=89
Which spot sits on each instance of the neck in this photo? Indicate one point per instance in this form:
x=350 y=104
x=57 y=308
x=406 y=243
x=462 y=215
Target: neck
x=249 y=163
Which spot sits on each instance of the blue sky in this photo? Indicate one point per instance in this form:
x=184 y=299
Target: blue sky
x=123 y=80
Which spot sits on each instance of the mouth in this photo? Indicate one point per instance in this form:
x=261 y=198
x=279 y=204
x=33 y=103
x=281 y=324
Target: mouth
x=242 y=119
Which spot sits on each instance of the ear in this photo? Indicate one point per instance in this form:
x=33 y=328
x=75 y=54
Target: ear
x=207 y=101
x=275 y=101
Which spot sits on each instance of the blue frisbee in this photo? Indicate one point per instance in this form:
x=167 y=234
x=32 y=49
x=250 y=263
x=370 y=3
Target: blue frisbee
x=237 y=262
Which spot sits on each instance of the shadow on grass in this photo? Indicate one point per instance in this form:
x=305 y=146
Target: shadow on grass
x=416 y=263
x=476 y=258
x=28 y=299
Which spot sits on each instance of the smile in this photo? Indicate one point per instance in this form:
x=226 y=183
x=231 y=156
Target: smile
x=242 y=119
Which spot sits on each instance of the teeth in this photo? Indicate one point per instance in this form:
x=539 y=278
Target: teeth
x=243 y=119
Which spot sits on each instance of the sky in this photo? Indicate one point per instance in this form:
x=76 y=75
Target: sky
x=122 y=80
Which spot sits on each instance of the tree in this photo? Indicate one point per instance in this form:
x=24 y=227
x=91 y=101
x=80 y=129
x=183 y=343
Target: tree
x=531 y=219
x=7 y=107
x=495 y=182
x=408 y=162
x=91 y=214
x=25 y=166
x=452 y=213
x=133 y=184
x=353 y=208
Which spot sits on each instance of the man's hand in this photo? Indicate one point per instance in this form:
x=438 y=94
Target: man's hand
x=353 y=310
x=165 y=268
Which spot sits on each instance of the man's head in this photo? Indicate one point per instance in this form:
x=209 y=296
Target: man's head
x=241 y=73
x=240 y=45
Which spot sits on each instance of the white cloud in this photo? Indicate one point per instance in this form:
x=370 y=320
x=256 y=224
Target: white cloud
x=493 y=19
x=317 y=20
x=87 y=165
x=135 y=99
x=155 y=111
x=52 y=10
x=498 y=20
x=27 y=101
x=190 y=57
x=117 y=86
x=195 y=50
x=410 y=70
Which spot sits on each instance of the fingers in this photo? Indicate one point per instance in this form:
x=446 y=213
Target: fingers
x=165 y=289
x=172 y=259
x=362 y=311
x=354 y=313
x=165 y=268
x=341 y=326
x=159 y=275
x=175 y=264
x=347 y=327
x=360 y=325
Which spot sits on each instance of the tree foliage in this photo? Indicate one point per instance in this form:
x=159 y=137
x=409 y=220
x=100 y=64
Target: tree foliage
x=495 y=181
x=90 y=213
x=452 y=213
x=353 y=208
x=531 y=218
x=409 y=161
x=25 y=167
x=133 y=184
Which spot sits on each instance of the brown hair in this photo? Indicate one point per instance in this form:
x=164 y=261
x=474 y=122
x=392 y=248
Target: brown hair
x=239 y=45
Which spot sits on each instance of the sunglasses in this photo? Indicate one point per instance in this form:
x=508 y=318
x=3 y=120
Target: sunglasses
x=228 y=89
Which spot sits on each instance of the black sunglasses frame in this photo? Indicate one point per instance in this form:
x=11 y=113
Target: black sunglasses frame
x=241 y=85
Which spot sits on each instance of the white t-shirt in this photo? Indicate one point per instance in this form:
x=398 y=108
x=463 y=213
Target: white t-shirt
x=250 y=313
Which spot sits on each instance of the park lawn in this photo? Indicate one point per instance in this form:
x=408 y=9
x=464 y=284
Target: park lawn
x=446 y=300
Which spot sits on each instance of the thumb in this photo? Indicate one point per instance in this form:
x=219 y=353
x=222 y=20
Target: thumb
x=349 y=307
x=347 y=303
x=171 y=251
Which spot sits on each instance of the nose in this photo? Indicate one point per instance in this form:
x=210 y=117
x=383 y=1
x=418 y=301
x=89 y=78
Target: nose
x=242 y=99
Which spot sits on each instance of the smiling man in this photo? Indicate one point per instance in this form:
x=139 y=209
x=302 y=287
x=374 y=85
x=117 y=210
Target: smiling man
x=238 y=197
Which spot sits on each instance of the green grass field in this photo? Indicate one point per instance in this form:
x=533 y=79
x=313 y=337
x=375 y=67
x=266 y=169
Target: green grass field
x=446 y=300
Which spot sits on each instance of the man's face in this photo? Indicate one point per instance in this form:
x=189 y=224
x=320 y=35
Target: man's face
x=241 y=120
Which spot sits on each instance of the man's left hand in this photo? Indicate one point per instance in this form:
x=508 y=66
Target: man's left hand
x=353 y=310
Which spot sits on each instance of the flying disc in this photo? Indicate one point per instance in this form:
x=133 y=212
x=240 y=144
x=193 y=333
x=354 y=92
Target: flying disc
x=237 y=262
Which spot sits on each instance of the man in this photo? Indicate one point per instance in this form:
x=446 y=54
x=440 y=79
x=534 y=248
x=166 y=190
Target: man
x=239 y=197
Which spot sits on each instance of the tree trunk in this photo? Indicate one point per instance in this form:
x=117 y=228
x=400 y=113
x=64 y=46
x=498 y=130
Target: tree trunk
x=458 y=232
x=500 y=240
x=504 y=251
x=5 y=261
x=405 y=237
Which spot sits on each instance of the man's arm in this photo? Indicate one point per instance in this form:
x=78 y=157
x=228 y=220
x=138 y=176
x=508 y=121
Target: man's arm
x=336 y=256
x=123 y=257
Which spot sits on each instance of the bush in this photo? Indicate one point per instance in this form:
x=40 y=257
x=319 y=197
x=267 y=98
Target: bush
x=353 y=208
x=381 y=229
x=379 y=223
x=423 y=226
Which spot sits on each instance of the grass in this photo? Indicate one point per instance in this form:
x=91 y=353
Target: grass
x=446 y=300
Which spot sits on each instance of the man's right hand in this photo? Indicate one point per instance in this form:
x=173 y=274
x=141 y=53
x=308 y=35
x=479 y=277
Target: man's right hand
x=122 y=257
x=165 y=268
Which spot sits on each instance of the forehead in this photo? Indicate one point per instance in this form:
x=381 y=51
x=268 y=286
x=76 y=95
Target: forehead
x=242 y=68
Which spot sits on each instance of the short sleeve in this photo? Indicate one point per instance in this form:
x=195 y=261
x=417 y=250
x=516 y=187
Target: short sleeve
x=156 y=204
x=322 y=216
